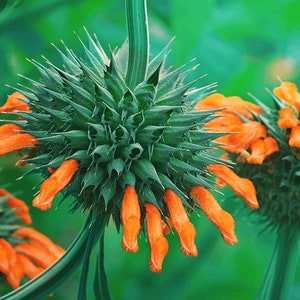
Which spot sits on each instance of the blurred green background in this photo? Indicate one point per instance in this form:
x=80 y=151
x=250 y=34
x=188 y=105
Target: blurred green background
x=243 y=45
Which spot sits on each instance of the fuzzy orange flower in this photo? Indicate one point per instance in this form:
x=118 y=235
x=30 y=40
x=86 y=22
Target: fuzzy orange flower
x=158 y=242
x=228 y=105
x=222 y=219
x=294 y=140
x=243 y=187
x=24 y=252
x=244 y=133
x=130 y=215
x=184 y=228
x=21 y=209
x=55 y=183
x=287 y=118
x=288 y=92
x=15 y=102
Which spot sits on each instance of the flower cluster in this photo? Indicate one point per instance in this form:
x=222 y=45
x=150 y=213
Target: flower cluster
x=24 y=251
x=140 y=155
x=264 y=142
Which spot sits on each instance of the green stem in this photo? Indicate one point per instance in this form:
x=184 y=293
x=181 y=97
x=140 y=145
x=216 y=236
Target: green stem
x=281 y=270
x=50 y=279
x=138 y=37
x=101 y=286
x=95 y=233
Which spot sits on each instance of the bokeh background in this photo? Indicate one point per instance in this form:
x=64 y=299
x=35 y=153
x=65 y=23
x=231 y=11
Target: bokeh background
x=243 y=45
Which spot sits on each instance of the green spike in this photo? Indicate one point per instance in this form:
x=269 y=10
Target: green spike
x=181 y=166
x=145 y=170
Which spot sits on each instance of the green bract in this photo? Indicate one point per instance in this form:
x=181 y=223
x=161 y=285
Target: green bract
x=149 y=137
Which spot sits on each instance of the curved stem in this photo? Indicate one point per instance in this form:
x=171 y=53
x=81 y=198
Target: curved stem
x=96 y=231
x=59 y=272
x=138 y=37
x=101 y=287
x=281 y=270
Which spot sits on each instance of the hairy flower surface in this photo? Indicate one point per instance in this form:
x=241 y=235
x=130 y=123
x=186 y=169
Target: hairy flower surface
x=24 y=251
x=269 y=153
x=133 y=153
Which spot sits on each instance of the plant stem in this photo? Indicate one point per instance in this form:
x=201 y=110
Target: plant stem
x=281 y=270
x=138 y=38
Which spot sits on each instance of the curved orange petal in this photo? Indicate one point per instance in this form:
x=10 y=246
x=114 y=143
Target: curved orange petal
x=55 y=183
x=221 y=218
x=9 y=129
x=36 y=237
x=258 y=152
x=16 y=273
x=30 y=269
x=224 y=123
x=38 y=255
x=184 y=228
x=261 y=149
x=17 y=141
x=7 y=256
x=158 y=243
x=242 y=187
x=287 y=92
x=130 y=215
x=232 y=104
x=294 y=140
x=246 y=134
x=287 y=118
x=14 y=103
x=22 y=210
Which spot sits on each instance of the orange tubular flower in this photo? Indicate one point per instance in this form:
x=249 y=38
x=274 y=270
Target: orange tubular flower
x=294 y=140
x=287 y=118
x=158 y=243
x=243 y=187
x=14 y=103
x=38 y=255
x=55 y=183
x=222 y=219
x=184 y=228
x=21 y=208
x=17 y=141
x=9 y=130
x=224 y=122
x=7 y=256
x=228 y=105
x=246 y=135
x=288 y=92
x=25 y=251
x=130 y=215
x=40 y=240
x=30 y=269
x=260 y=149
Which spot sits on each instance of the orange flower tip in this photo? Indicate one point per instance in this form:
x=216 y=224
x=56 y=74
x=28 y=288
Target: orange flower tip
x=230 y=239
x=130 y=248
x=131 y=231
x=15 y=102
x=187 y=236
x=254 y=160
x=159 y=250
x=42 y=204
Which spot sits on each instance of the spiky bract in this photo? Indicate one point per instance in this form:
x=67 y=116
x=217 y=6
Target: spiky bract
x=149 y=137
